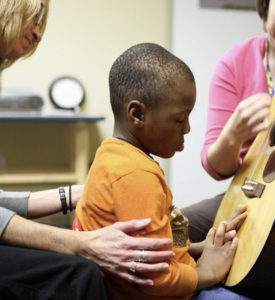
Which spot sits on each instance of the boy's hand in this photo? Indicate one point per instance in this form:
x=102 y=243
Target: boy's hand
x=234 y=222
x=216 y=258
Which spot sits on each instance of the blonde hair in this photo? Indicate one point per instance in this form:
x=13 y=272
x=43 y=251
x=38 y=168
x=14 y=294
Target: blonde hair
x=15 y=16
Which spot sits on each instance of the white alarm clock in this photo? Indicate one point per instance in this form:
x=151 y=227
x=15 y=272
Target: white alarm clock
x=67 y=92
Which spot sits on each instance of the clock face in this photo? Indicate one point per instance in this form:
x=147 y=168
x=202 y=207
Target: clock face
x=67 y=92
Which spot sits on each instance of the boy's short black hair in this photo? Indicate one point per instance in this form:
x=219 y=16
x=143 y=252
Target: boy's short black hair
x=146 y=72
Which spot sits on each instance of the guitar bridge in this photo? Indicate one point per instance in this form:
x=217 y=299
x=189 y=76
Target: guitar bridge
x=252 y=188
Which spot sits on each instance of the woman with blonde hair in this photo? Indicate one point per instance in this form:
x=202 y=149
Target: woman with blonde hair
x=39 y=261
x=22 y=26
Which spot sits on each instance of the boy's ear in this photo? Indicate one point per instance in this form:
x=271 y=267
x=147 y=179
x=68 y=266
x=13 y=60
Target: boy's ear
x=136 y=112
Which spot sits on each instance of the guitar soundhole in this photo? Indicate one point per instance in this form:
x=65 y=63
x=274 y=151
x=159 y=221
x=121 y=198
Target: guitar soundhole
x=269 y=170
x=272 y=136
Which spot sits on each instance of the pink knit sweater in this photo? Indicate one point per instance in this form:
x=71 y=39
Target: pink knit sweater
x=239 y=74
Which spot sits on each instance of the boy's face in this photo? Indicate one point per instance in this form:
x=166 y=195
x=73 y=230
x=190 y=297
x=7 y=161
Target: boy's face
x=166 y=124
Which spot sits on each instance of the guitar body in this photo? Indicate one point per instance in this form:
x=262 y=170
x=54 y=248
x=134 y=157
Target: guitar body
x=253 y=269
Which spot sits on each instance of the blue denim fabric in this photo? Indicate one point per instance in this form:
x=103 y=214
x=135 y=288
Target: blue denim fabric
x=219 y=293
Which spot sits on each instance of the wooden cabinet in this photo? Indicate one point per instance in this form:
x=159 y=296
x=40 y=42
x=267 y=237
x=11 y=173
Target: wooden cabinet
x=44 y=151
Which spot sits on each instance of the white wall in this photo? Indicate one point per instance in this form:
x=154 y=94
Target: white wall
x=200 y=37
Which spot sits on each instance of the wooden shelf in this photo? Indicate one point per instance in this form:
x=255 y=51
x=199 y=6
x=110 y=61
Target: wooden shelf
x=39 y=178
x=40 y=151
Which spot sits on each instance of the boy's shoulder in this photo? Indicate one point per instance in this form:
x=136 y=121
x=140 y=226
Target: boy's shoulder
x=120 y=157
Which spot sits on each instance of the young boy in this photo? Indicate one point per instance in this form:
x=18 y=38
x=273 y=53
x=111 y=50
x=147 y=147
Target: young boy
x=152 y=95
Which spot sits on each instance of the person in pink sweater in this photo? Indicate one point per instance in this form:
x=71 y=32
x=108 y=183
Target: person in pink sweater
x=240 y=95
x=238 y=104
x=239 y=101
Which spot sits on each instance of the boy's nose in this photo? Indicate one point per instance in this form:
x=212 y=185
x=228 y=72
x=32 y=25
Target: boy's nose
x=187 y=129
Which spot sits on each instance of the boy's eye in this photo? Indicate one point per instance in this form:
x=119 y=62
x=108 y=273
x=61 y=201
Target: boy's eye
x=179 y=121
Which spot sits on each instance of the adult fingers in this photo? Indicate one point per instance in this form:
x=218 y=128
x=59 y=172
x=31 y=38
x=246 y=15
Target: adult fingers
x=251 y=106
x=147 y=256
x=256 y=102
x=153 y=256
x=135 y=279
x=131 y=277
x=142 y=243
x=139 y=268
x=132 y=225
x=258 y=120
x=147 y=268
x=149 y=243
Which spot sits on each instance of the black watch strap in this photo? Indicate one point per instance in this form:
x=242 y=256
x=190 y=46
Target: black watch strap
x=63 y=200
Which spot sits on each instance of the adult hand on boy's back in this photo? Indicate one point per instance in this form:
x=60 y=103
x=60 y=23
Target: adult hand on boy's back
x=114 y=250
x=216 y=258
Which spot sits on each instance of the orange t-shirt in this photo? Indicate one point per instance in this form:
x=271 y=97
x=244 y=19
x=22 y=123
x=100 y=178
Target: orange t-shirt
x=124 y=183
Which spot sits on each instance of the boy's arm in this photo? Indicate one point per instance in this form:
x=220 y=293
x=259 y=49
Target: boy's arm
x=143 y=194
x=196 y=249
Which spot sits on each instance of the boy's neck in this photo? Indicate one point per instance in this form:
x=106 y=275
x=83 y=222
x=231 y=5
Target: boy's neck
x=128 y=137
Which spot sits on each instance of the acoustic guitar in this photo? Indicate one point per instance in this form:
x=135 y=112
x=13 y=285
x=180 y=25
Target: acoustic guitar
x=253 y=269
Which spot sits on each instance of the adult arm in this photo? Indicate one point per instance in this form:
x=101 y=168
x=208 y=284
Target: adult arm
x=38 y=204
x=15 y=201
x=47 y=202
x=110 y=247
x=11 y=202
x=236 y=109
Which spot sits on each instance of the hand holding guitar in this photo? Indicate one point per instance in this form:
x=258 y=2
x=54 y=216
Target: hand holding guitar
x=248 y=119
